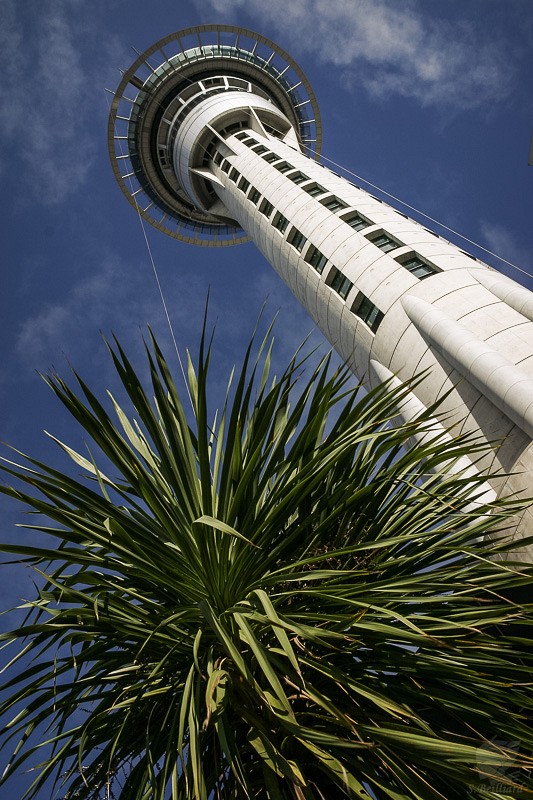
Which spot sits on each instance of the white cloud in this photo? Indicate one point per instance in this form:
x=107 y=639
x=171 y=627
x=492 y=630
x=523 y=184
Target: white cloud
x=48 y=96
x=389 y=49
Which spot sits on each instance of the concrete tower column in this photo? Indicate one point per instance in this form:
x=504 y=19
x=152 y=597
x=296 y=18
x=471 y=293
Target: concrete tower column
x=222 y=144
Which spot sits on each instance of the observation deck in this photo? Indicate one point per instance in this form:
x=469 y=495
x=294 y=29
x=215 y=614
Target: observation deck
x=179 y=100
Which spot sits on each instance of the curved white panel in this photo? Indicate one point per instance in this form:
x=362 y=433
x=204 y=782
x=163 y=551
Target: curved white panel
x=511 y=293
x=488 y=370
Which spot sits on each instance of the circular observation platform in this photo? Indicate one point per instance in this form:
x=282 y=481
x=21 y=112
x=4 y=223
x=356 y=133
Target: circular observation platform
x=165 y=84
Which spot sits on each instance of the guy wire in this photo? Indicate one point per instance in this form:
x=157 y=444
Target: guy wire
x=158 y=282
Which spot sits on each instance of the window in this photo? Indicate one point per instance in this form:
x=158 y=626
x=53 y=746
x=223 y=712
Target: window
x=270 y=157
x=334 y=203
x=314 y=189
x=242 y=136
x=317 y=259
x=356 y=222
x=243 y=185
x=367 y=311
x=385 y=242
x=419 y=268
x=340 y=283
x=284 y=166
x=234 y=175
x=218 y=158
x=254 y=195
x=259 y=148
x=266 y=208
x=280 y=222
x=209 y=152
x=298 y=177
x=297 y=239
x=229 y=129
x=273 y=131
x=225 y=166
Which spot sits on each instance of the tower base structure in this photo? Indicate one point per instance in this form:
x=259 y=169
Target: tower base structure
x=217 y=144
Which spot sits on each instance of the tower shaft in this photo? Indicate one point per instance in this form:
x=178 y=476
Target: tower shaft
x=392 y=297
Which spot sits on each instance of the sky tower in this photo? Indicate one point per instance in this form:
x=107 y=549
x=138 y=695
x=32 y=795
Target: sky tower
x=214 y=136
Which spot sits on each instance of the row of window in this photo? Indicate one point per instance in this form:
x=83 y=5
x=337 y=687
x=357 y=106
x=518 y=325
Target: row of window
x=419 y=268
x=316 y=189
x=362 y=306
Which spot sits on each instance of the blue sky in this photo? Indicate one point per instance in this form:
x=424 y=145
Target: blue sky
x=430 y=100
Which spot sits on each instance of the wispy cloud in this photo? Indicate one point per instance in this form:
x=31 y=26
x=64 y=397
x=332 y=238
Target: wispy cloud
x=500 y=241
x=389 y=49
x=121 y=298
x=117 y=298
x=48 y=95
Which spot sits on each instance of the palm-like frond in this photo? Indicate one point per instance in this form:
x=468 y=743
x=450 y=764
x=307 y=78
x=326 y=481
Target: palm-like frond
x=280 y=602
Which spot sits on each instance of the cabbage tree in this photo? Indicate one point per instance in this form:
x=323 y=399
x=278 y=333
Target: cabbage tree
x=275 y=600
